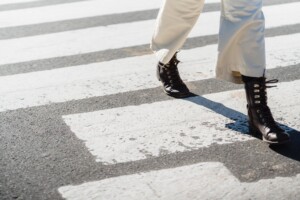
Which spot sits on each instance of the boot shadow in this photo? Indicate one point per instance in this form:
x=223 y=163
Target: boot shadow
x=240 y=124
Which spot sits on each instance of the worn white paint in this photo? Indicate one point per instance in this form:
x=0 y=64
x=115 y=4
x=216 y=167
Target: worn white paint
x=6 y=2
x=203 y=181
x=129 y=74
x=134 y=133
x=77 y=42
x=117 y=36
x=73 y=10
x=212 y=1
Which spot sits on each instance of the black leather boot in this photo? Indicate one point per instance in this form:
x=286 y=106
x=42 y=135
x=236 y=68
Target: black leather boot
x=169 y=76
x=261 y=121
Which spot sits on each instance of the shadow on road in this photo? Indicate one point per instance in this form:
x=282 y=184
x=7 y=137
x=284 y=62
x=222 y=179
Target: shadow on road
x=240 y=124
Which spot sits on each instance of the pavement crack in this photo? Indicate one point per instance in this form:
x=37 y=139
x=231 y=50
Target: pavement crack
x=153 y=190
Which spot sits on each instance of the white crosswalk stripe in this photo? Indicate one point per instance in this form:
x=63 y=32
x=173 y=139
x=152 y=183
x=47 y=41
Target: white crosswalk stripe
x=74 y=10
x=135 y=33
x=7 y=2
x=138 y=132
x=203 y=181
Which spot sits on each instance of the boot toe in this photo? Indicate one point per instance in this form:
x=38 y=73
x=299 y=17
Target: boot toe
x=277 y=138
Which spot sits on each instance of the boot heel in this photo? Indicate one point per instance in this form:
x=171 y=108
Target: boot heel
x=158 y=70
x=254 y=131
x=157 y=75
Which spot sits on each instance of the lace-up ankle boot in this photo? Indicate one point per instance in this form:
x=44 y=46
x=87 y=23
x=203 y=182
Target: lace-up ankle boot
x=169 y=76
x=261 y=121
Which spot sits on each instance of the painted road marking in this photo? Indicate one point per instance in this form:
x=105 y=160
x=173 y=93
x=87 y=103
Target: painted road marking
x=6 y=2
x=203 y=181
x=109 y=37
x=151 y=130
x=134 y=133
x=123 y=75
x=74 y=10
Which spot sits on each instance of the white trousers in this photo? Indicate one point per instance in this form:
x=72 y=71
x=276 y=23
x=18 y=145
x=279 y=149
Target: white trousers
x=241 y=48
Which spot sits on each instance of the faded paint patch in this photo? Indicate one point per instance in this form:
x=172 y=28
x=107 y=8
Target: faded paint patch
x=203 y=181
x=139 y=132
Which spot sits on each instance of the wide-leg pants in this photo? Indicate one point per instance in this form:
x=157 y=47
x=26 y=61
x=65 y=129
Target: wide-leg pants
x=241 y=48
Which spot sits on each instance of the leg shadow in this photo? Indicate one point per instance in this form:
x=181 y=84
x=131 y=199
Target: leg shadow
x=240 y=124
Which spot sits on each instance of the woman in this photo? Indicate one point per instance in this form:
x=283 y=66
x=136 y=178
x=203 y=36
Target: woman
x=241 y=57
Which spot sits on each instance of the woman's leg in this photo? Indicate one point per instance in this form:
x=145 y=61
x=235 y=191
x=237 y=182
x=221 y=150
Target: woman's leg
x=175 y=20
x=242 y=59
x=241 y=40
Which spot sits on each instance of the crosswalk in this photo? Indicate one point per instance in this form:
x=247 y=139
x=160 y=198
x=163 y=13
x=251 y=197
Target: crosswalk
x=135 y=33
x=84 y=80
x=128 y=134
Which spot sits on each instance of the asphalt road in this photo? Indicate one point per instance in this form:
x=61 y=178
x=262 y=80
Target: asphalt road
x=39 y=152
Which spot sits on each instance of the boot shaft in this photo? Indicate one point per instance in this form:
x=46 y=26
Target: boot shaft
x=260 y=117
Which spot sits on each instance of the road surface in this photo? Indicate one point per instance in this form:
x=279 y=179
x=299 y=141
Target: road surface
x=83 y=116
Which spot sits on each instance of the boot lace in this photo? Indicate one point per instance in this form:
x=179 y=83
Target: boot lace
x=260 y=100
x=172 y=72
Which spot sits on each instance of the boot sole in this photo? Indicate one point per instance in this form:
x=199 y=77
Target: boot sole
x=256 y=133
x=276 y=143
x=183 y=95
x=180 y=95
